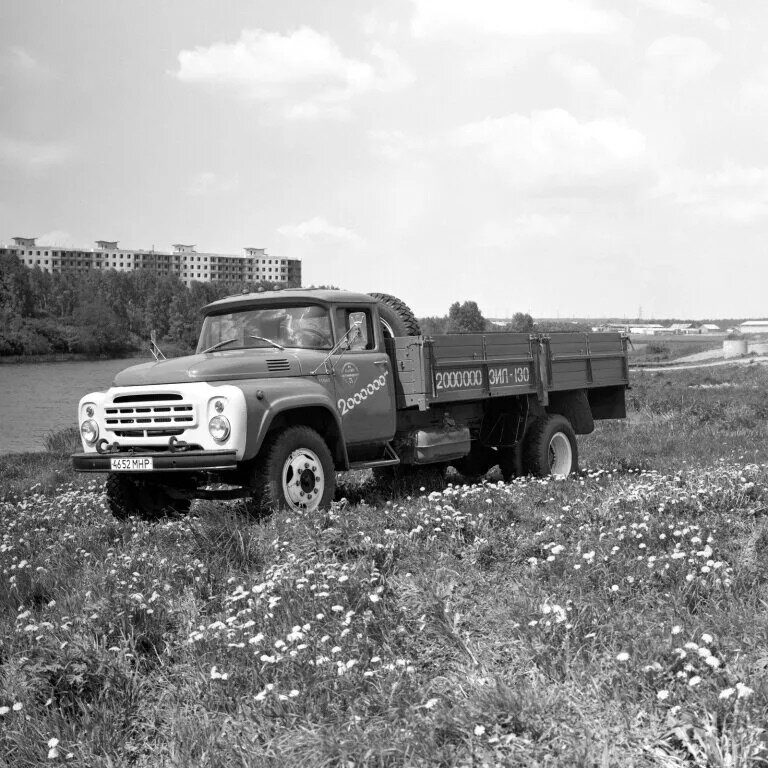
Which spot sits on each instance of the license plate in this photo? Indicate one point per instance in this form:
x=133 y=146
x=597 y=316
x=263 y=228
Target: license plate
x=131 y=464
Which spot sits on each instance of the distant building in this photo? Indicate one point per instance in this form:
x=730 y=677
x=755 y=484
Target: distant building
x=254 y=266
x=647 y=329
x=710 y=328
x=754 y=326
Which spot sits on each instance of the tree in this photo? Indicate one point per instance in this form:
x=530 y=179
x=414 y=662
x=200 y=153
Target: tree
x=522 y=322
x=465 y=318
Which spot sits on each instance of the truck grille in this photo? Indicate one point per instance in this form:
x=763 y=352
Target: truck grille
x=149 y=415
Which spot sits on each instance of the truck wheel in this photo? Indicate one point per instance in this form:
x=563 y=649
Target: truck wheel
x=296 y=473
x=148 y=501
x=550 y=448
x=396 y=318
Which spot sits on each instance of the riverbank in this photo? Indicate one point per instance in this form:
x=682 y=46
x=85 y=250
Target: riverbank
x=64 y=357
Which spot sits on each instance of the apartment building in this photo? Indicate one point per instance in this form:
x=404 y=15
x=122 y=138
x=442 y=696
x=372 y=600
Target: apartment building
x=184 y=261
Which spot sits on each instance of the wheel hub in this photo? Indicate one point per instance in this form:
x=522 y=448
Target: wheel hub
x=303 y=480
x=560 y=455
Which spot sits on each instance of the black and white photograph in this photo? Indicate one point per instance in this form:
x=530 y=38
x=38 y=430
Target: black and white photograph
x=383 y=384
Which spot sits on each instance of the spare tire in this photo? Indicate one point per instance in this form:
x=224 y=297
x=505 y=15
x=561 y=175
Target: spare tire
x=396 y=318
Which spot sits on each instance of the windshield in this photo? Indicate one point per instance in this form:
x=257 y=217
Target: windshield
x=306 y=326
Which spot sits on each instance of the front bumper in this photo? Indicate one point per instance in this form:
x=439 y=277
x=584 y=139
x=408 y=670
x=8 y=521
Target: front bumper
x=162 y=462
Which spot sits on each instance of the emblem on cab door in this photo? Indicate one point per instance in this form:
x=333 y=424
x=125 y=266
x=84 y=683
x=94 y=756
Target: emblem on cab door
x=349 y=373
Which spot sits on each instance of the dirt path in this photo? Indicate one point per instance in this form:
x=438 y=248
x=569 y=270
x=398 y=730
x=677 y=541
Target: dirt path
x=710 y=364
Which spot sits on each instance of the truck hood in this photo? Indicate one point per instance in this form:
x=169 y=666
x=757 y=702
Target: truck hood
x=218 y=366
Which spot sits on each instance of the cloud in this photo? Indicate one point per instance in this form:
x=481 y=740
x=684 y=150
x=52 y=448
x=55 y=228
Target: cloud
x=24 y=62
x=303 y=73
x=458 y=20
x=56 y=237
x=318 y=230
x=209 y=184
x=678 y=60
x=755 y=88
x=552 y=149
x=33 y=156
x=529 y=226
x=395 y=145
x=691 y=9
x=587 y=79
x=733 y=193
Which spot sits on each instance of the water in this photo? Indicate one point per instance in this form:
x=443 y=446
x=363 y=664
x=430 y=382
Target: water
x=37 y=398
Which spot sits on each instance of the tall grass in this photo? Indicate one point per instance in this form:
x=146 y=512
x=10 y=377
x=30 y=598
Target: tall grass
x=617 y=618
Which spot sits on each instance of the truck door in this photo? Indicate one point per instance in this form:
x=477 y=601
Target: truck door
x=365 y=391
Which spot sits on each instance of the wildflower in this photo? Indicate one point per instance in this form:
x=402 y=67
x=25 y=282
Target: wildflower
x=374 y=598
x=662 y=695
x=712 y=661
x=4 y=711
x=726 y=693
x=694 y=681
x=706 y=638
x=17 y=707
x=743 y=691
x=677 y=629
x=614 y=588
x=623 y=656
x=479 y=730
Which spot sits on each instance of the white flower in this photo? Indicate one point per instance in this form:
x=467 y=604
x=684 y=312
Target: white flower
x=706 y=638
x=17 y=706
x=53 y=743
x=743 y=690
x=677 y=629
x=53 y=753
x=694 y=681
x=662 y=695
x=374 y=598
x=712 y=661
x=479 y=730
x=726 y=693
x=623 y=656
x=4 y=711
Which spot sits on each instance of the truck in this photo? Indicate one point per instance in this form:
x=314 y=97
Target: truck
x=287 y=388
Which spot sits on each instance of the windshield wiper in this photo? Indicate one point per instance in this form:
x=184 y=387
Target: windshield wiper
x=269 y=341
x=218 y=344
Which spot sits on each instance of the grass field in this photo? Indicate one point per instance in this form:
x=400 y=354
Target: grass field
x=618 y=618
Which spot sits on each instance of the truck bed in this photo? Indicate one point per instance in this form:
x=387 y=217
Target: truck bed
x=474 y=366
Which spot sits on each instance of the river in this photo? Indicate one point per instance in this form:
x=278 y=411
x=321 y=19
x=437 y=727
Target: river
x=37 y=398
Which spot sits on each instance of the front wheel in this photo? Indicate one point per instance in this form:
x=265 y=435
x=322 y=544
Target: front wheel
x=296 y=473
x=550 y=448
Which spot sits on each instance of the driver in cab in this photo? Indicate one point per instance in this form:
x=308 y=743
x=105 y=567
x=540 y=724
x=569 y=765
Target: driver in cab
x=308 y=327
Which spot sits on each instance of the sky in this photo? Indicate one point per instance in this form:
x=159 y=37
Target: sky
x=586 y=158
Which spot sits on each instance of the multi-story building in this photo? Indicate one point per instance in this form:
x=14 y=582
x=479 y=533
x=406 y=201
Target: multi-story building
x=254 y=266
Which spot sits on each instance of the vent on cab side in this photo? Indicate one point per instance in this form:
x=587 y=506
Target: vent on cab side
x=278 y=364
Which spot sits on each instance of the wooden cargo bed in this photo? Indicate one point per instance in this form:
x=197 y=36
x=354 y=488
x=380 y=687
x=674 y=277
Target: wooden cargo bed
x=464 y=367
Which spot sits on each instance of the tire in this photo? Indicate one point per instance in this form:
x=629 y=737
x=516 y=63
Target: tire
x=296 y=473
x=128 y=498
x=396 y=318
x=550 y=448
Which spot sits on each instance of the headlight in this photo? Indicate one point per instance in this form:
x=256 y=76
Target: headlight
x=218 y=426
x=89 y=429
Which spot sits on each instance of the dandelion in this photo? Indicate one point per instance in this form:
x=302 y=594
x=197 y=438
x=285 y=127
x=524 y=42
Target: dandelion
x=726 y=693
x=706 y=638
x=479 y=730
x=743 y=691
x=374 y=598
x=662 y=695
x=677 y=629
x=17 y=707
x=4 y=711
x=614 y=588
x=623 y=656
x=694 y=681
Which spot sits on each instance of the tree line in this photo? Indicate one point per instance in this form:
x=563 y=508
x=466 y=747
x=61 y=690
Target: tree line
x=113 y=313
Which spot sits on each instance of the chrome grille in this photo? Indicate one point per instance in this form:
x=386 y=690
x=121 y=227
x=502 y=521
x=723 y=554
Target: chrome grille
x=149 y=415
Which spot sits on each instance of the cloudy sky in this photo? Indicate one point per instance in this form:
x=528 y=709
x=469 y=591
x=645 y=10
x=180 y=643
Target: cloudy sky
x=560 y=157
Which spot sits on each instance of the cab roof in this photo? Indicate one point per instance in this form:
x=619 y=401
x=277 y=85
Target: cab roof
x=300 y=295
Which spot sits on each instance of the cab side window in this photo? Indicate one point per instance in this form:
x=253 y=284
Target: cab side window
x=356 y=324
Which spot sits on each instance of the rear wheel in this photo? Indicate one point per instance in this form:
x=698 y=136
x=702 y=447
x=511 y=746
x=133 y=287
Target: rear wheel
x=128 y=497
x=550 y=448
x=296 y=473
